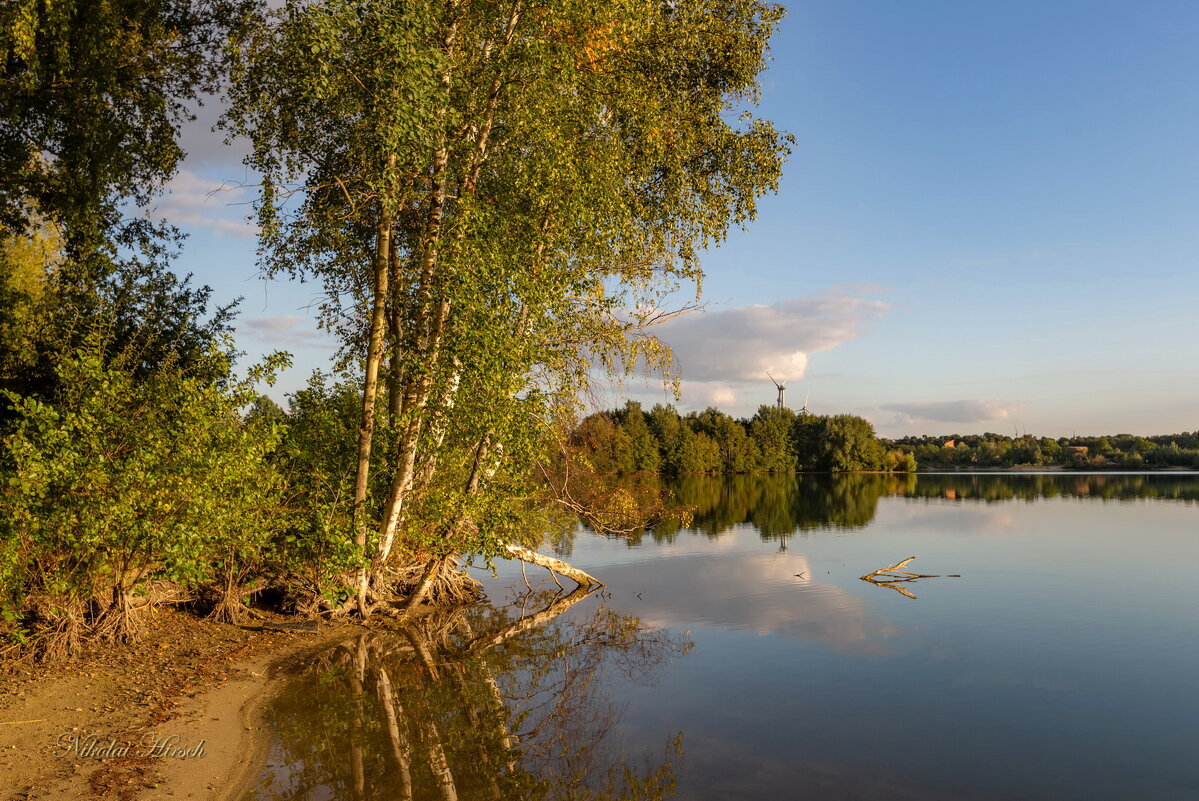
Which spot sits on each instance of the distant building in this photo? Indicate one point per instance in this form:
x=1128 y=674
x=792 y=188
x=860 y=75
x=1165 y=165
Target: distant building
x=1077 y=450
x=949 y=443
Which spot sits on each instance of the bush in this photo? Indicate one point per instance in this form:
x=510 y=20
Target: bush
x=118 y=482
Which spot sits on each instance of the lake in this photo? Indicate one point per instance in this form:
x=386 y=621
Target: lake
x=743 y=657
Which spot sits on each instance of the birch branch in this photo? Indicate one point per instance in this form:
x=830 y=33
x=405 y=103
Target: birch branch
x=553 y=565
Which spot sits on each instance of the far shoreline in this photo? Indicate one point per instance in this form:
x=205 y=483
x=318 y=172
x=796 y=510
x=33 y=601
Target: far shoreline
x=1052 y=469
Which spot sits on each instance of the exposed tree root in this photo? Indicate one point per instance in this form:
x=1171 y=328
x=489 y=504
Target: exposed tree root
x=424 y=584
x=440 y=581
x=228 y=608
x=118 y=622
x=62 y=634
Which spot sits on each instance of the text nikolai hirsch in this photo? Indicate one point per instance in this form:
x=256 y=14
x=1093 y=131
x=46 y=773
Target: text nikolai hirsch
x=97 y=746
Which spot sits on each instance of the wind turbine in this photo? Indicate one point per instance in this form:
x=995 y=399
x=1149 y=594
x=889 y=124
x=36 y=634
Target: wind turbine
x=781 y=388
x=804 y=410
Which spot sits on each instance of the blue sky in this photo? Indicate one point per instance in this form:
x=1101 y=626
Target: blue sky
x=988 y=224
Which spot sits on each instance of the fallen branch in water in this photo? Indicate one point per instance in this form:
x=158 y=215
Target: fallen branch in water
x=553 y=565
x=893 y=575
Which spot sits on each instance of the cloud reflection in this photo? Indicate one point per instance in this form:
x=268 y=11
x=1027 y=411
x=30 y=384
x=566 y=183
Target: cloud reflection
x=755 y=592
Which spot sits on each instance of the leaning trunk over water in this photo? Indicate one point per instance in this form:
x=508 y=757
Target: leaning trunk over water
x=553 y=565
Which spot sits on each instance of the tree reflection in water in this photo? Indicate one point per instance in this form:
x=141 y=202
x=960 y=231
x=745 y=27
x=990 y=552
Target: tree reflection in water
x=471 y=703
x=780 y=505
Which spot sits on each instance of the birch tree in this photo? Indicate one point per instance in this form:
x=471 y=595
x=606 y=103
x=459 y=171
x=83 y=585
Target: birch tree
x=497 y=196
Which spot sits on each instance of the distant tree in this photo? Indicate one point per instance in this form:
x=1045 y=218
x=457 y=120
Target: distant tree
x=1051 y=451
x=771 y=430
x=738 y=453
x=898 y=460
x=667 y=429
x=807 y=434
x=994 y=451
x=705 y=453
x=607 y=445
x=848 y=443
x=839 y=443
x=646 y=456
x=263 y=408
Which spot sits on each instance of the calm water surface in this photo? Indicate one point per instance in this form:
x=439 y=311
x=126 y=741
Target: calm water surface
x=744 y=658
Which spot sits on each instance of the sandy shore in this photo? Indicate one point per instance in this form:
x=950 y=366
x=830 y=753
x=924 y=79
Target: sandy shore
x=176 y=716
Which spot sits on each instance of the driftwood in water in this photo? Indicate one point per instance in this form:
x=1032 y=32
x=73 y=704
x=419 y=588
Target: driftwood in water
x=894 y=575
x=553 y=565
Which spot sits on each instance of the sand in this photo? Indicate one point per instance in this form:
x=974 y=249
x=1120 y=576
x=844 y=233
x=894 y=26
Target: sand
x=179 y=715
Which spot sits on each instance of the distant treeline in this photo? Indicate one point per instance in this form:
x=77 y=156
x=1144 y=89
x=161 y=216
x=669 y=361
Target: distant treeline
x=630 y=440
x=774 y=440
x=783 y=505
x=996 y=450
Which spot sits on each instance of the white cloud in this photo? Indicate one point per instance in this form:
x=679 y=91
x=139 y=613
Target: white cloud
x=743 y=343
x=723 y=354
x=283 y=329
x=959 y=411
x=191 y=201
x=719 y=395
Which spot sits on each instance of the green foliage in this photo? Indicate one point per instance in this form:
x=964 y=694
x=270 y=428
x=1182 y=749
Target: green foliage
x=774 y=440
x=493 y=197
x=27 y=263
x=771 y=429
x=1120 y=451
x=897 y=460
x=844 y=443
x=140 y=313
x=738 y=453
x=609 y=446
x=491 y=188
x=316 y=460
x=646 y=456
x=701 y=453
x=124 y=479
x=91 y=97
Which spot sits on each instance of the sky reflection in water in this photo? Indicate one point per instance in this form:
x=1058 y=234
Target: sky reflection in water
x=1060 y=665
